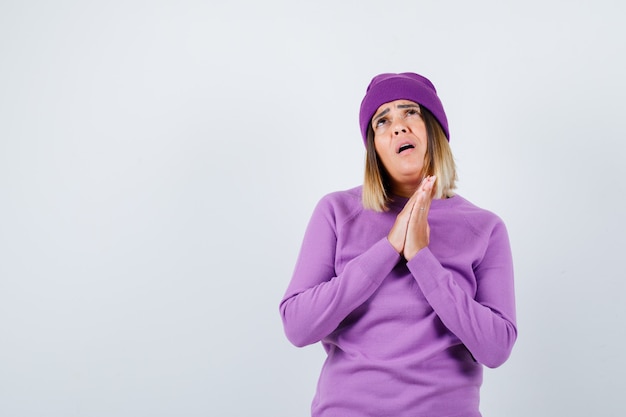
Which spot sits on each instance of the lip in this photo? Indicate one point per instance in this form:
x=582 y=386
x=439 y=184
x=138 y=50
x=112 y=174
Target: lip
x=403 y=143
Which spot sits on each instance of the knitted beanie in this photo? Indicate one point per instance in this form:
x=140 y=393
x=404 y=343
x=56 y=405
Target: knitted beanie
x=405 y=86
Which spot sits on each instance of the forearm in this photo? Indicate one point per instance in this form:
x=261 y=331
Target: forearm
x=315 y=305
x=486 y=327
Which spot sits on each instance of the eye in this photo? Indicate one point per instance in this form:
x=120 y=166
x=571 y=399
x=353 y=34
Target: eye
x=381 y=122
x=412 y=112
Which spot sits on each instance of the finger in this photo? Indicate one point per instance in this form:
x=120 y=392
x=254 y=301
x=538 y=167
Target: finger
x=424 y=185
x=397 y=234
x=424 y=194
x=428 y=183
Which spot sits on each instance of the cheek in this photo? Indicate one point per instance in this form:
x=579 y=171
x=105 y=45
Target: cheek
x=381 y=152
x=377 y=147
x=419 y=129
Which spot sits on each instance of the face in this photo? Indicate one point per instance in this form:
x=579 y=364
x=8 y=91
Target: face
x=400 y=141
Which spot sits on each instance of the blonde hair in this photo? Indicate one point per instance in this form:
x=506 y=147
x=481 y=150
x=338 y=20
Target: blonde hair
x=438 y=161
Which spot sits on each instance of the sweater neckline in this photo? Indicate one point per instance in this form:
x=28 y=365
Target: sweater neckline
x=399 y=202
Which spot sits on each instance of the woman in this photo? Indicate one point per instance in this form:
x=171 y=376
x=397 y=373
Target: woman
x=408 y=286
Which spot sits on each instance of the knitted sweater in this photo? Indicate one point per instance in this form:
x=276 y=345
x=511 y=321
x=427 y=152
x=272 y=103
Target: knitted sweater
x=402 y=338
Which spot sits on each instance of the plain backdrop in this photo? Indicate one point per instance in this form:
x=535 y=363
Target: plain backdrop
x=159 y=161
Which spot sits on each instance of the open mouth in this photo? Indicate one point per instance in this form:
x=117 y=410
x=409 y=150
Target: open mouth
x=405 y=147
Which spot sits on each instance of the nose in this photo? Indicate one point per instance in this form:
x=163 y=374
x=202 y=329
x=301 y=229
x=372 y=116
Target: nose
x=399 y=125
x=398 y=128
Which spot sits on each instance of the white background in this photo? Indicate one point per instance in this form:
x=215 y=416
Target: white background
x=159 y=161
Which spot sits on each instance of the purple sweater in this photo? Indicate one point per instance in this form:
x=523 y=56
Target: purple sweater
x=402 y=338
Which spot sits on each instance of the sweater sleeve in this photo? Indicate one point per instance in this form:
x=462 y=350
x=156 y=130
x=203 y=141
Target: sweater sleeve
x=484 y=323
x=317 y=299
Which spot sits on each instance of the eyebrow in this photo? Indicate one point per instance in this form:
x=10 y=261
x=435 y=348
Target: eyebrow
x=381 y=114
x=400 y=106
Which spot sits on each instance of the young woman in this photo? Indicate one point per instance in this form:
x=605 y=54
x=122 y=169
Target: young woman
x=408 y=286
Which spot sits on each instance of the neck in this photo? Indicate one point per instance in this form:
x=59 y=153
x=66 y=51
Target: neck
x=405 y=189
x=406 y=192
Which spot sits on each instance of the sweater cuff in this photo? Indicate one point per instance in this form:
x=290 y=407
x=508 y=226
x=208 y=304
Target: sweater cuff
x=379 y=260
x=427 y=270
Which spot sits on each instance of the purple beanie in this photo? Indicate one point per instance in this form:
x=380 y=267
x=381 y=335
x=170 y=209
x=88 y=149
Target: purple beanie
x=405 y=86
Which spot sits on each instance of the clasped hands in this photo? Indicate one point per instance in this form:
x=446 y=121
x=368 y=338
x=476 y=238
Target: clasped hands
x=410 y=232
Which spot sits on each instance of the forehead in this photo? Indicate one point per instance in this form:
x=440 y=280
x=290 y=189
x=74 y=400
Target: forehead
x=394 y=105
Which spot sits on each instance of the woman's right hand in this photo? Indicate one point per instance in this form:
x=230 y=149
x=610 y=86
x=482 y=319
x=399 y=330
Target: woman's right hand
x=410 y=232
x=397 y=234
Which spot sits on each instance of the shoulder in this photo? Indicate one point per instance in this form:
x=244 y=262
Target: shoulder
x=480 y=220
x=341 y=205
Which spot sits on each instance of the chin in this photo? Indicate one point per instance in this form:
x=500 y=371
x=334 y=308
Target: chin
x=410 y=179
x=410 y=174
